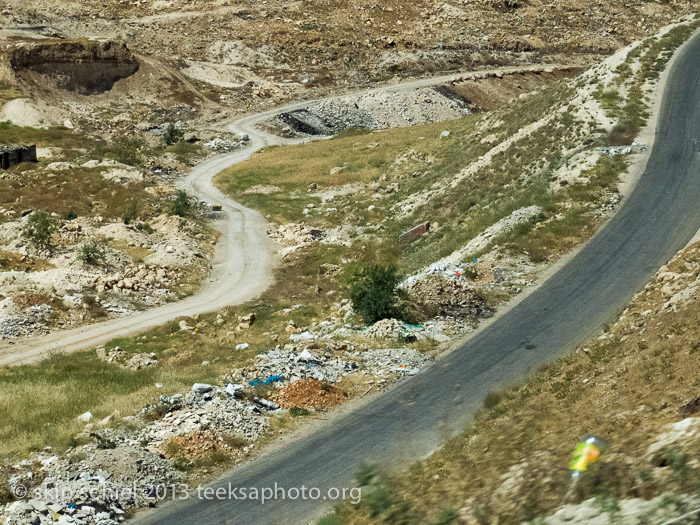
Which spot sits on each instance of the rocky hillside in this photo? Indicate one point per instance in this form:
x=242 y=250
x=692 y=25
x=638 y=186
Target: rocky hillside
x=284 y=47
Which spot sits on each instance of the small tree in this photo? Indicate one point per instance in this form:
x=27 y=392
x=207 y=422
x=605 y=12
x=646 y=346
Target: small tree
x=374 y=293
x=181 y=205
x=92 y=253
x=172 y=134
x=39 y=228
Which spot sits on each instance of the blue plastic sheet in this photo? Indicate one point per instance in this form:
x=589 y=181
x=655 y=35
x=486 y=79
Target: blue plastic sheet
x=268 y=381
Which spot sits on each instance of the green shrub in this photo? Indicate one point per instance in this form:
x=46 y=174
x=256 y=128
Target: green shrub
x=39 y=228
x=446 y=517
x=332 y=519
x=298 y=411
x=470 y=272
x=374 y=293
x=492 y=399
x=70 y=216
x=92 y=253
x=172 y=134
x=126 y=151
x=130 y=212
x=181 y=204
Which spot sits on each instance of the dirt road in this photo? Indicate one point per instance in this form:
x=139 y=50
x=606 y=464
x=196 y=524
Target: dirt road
x=244 y=259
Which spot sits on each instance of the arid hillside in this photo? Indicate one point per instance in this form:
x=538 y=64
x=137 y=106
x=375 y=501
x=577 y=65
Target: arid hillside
x=275 y=48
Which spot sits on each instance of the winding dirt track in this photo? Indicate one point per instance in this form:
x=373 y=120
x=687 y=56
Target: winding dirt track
x=244 y=259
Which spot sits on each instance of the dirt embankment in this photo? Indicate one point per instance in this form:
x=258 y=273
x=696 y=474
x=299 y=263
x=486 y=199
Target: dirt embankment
x=83 y=66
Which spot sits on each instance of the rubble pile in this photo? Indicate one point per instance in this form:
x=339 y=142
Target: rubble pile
x=387 y=329
x=445 y=328
x=310 y=394
x=134 y=362
x=207 y=407
x=387 y=361
x=288 y=365
x=97 y=489
x=144 y=277
x=440 y=296
x=30 y=322
x=294 y=236
x=635 y=147
x=203 y=442
x=374 y=110
x=226 y=144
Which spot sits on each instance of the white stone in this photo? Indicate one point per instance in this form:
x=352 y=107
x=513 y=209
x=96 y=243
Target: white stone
x=201 y=388
x=85 y=418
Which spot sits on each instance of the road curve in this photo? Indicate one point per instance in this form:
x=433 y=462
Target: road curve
x=408 y=422
x=243 y=262
x=241 y=269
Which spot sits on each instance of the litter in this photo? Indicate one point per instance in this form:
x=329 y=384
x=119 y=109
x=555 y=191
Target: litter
x=268 y=381
x=587 y=452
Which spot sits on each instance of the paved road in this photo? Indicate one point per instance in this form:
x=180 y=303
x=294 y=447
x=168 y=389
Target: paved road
x=659 y=218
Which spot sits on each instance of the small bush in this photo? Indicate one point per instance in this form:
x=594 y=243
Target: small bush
x=181 y=204
x=470 y=272
x=93 y=308
x=374 y=293
x=172 y=134
x=39 y=228
x=70 y=216
x=145 y=227
x=172 y=448
x=492 y=399
x=298 y=411
x=446 y=517
x=130 y=212
x=105 y=443
x=92 y=253
x=126 y=151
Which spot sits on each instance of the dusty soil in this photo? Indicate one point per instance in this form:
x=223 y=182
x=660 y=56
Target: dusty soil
x=309 y=394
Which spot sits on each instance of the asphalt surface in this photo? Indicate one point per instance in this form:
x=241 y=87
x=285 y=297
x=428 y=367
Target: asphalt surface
x=660 y=216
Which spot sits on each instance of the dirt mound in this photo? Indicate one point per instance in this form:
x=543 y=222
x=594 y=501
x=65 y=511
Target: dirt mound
x=310 y=394
x=201 y=443
x=25 y=112
x=447 y=297
x=83 y=66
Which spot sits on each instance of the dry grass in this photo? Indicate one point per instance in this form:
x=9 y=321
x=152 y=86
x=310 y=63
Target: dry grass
x=8 y=92
x=81 y=191
x=10 y=261
x=625 y=387
x=364 y=156
x=137 y=253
